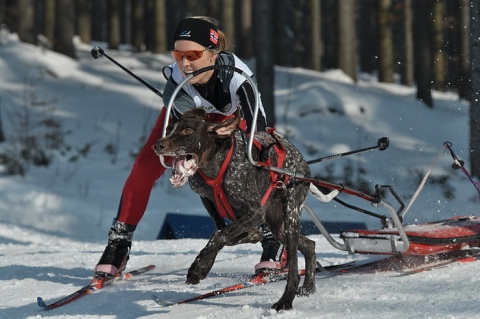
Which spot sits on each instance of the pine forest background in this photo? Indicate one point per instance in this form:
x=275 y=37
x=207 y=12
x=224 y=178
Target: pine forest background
x=428 y=44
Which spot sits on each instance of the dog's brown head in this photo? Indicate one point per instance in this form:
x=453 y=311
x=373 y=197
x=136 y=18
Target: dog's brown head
x=191 y=141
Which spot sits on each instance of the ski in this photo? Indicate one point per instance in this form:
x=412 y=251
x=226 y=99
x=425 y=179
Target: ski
x=438 y=261
x=255 y=280
x=94 y=285
x=411 y=264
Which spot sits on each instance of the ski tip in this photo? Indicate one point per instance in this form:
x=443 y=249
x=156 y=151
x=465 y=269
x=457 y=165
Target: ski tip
x=319 y=267
x=162 y=303
x=41 y=303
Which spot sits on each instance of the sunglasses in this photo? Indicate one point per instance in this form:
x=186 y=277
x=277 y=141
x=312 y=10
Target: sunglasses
x=191 y=55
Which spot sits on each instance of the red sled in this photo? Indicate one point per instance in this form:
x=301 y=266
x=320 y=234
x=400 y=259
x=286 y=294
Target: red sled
x=457 y=233
x=394 y=238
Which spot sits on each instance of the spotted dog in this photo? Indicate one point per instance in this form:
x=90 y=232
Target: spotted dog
x=213 y=158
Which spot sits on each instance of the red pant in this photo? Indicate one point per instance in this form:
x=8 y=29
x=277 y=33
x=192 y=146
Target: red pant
x=145 y=171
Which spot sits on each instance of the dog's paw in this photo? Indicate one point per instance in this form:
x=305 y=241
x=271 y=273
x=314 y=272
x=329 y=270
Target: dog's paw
x=281 y=305
x=305 y=291
x=192 y=281
x=194 y=277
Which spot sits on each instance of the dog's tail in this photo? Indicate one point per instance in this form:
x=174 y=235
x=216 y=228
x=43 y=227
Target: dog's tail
x=319 y=195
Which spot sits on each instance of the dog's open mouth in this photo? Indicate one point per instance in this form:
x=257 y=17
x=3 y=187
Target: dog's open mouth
x=183 y=167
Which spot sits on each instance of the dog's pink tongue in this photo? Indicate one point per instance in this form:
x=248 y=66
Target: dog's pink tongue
x=182 y=170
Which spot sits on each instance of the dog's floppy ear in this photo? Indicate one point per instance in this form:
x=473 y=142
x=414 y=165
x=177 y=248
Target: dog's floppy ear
x=227 y=127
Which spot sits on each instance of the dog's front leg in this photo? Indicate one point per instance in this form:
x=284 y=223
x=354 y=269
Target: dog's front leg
x=230 y=234
x=205 y=259
x=252 y=236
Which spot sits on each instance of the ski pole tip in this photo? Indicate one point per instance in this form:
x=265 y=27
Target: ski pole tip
x=41 y=302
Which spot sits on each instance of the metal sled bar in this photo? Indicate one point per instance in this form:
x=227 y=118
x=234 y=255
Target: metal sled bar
x=397 y=224
x=208 y=68
x=396 y=246
x=169 y=110
x=323 y=230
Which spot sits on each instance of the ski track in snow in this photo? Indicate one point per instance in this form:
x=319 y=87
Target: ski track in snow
x=54 y=221
x=34 y=268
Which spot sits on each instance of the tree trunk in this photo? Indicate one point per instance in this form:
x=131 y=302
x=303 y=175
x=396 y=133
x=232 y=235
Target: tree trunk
x=464 y=85
x=64 y=28
x=25 y=21
x=228 y=22
x=48 y=28
x=246 y=36
x=407 y=74
x=475 y=93
x=316 y=35
x=301 y=33
x=438 y=9
x=3 y=12
x=385 y=41
x=113 y=12
x=367 y=44
x=330 y=34
x=83 y=18
x=160 y=27
x=149 y=24
x=346 y=37
x=138 y=25
x=283 y=28
x=99 y=21
x=423 y=62
x=263 y=48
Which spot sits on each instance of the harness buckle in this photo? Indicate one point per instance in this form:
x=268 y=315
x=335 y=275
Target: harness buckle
x=280 y=184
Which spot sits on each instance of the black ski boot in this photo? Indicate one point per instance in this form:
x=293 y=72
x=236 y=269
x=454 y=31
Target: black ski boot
x=274 y=256
x=116 y=254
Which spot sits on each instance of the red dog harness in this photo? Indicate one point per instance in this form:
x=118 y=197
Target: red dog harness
x=222 y=203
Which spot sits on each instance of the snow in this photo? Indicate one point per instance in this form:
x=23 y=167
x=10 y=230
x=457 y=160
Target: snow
x=54 y=220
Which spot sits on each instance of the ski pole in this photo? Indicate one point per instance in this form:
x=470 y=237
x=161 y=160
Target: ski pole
x=382 y=145
x=98 y=53
x=460 y=164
